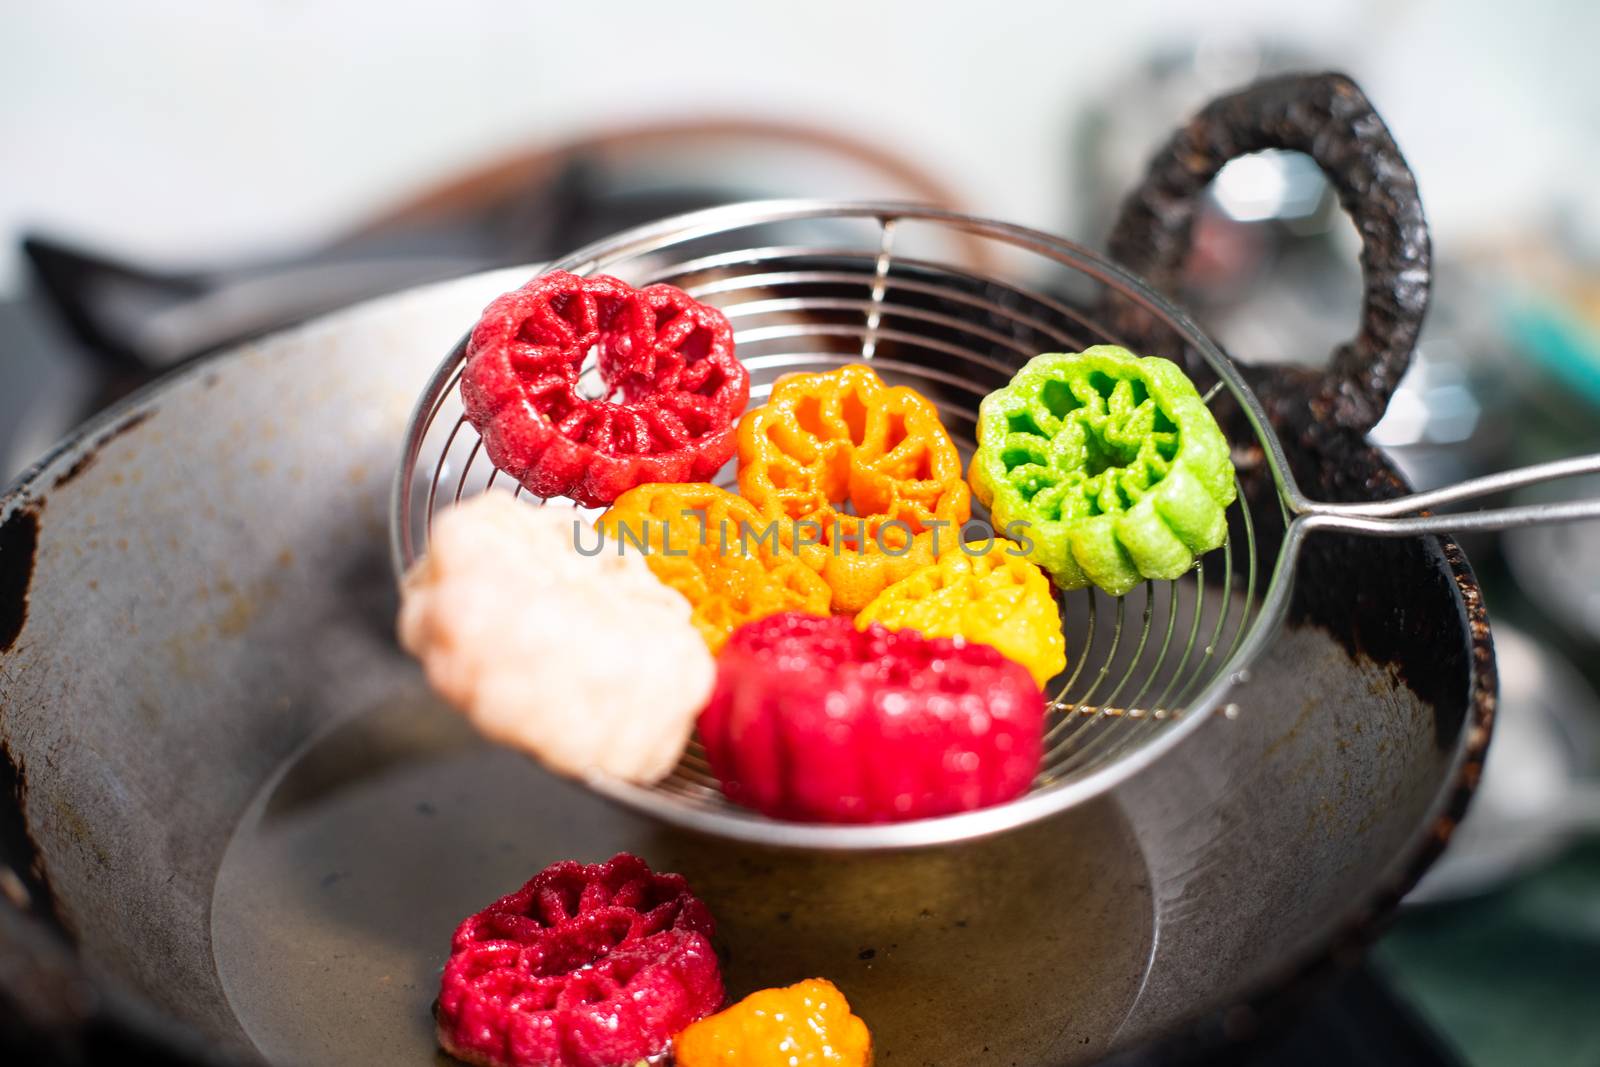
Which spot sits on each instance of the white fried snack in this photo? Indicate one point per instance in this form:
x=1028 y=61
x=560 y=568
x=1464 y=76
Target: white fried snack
x=588 y=663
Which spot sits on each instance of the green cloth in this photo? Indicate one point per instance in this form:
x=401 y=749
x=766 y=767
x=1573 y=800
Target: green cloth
x=1511 y=978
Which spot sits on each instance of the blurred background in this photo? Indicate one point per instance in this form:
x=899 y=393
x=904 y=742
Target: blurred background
x=182 y=176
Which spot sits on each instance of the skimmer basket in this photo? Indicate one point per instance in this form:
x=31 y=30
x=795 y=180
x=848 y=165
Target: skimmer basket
x=952 y=306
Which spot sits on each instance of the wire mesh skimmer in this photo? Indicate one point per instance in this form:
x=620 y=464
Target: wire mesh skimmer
x=953 y=305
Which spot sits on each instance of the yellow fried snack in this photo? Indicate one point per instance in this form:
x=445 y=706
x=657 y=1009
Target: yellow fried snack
x=990 y=594
x=865 y=474
x=718 y=551
x=808 y=1024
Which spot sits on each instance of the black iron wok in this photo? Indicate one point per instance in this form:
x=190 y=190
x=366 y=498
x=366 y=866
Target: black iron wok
x=238 y=827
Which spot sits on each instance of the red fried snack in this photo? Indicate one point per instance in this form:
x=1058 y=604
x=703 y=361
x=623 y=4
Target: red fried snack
x=815 y=721
x=585 y=966
x=672 y=386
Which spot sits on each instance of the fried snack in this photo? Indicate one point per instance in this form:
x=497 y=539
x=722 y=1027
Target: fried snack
x=865 y=473
x=585 y=966
x=1111 y=464
x=815 y=721
x=523 y=634
x=808 y=1024
x=716 y=549
x=984 y=592
x=671 y=387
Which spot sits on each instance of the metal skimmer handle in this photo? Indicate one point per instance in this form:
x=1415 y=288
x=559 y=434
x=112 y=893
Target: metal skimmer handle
x=1397 y=517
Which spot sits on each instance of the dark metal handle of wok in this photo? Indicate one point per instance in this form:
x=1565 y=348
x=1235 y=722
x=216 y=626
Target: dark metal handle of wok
x=1327 y=117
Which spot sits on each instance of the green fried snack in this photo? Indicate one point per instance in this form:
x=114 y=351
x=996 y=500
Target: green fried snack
x=1111 y=461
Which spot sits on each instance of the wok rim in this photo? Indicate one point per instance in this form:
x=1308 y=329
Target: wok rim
x=126 y=1012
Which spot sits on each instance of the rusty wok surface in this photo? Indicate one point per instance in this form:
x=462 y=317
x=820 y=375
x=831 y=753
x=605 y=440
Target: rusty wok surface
x=238 y=828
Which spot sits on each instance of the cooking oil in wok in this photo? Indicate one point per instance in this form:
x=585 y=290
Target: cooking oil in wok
x=337 y=896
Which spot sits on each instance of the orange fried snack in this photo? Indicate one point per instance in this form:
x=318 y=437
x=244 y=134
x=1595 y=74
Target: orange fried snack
x=808 y=1024
x=716 y=549
x=866 y=475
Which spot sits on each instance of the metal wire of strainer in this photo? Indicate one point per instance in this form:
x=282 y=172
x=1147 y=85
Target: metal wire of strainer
x=952 y=305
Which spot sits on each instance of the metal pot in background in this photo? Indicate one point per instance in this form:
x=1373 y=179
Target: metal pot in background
x=98 y=325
